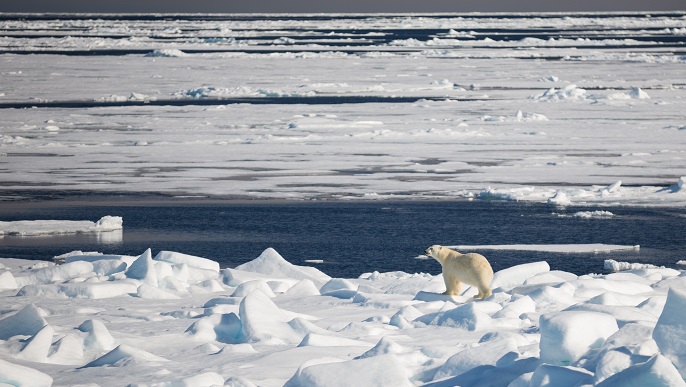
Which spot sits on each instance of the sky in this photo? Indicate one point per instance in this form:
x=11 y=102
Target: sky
x=316 y=6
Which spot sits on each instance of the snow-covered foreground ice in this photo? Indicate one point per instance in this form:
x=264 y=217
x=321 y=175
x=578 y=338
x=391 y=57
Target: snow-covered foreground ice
x=566 y=109
x=178 y=320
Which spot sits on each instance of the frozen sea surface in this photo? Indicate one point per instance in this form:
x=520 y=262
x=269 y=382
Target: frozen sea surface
x=511 y=107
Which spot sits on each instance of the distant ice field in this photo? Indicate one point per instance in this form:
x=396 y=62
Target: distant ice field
x=523 y=107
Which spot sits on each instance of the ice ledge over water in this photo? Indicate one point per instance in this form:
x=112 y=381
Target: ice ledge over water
x=51 y=227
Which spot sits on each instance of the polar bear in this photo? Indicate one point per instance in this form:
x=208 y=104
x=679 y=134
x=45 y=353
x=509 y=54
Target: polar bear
x=472 y=269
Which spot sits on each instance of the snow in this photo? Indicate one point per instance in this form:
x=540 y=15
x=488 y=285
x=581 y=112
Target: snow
x=670 y=329
x=270 y=108
x=532 y=118
x=568 y=335
x=241 y=327
x=51 y=227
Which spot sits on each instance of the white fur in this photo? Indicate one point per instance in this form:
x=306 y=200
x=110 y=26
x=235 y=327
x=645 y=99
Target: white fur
x=472 y=269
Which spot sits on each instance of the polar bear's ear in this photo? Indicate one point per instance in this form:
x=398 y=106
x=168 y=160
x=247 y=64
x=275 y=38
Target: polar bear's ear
x=440 y=248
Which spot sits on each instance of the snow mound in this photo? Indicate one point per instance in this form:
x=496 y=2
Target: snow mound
x=559 y=199
x=670 y=330
x=37 y=347
x=190 y=260
x=552 y=375
x=612 y=265
x=529 y=117
x=123 y=356
x=28 y=321
x=273 y=264
x=568 y=93
x=517 y=275
x=98 y=336
x=17 y=375
x=340 y=288
x=143 y=269
x=489 y=353
x=658 y=371
x=637 y=93
x=568 y=335
x=206 y=379
x=470 y=317
x=225 y=328
x=384 y=370
x=58 y=273
x=385 y=346
x=263 y=321
x=7 y=281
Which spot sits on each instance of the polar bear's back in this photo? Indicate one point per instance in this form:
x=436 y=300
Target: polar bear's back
x=473 y=267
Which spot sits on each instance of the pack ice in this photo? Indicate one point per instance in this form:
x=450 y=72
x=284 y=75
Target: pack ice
x=174 y=319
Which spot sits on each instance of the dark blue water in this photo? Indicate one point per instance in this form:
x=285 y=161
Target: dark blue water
x=357 y=237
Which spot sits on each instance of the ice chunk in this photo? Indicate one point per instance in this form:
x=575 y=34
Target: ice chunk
x=517 y=308
x=248 y=287
x=468 y=316
x=272 y=263
x=559 y=376
x=7 y=281
x=17 y=375
x=28 y=321
x=123 y=356
x=98 y=336
x=207 y=379
x=190 y=260
x=612 y=265
x=37 y=347
x=385 y=346
x=57 y=273
x=384 y=370
x=340 y=288
x=143 y=268
x=236 y=381
x=225 y=328
x=263 y=321
x=318 y=340
x=80 y=290
x=559 y=199
x=303 y=288
x=109 y=266
x=637 y=93
x=612 y=362
x=670 y=330
x=567 y=336
x=167 y=53
x=502 y=352
x=658 y=371
x=516 y=275
x=68 y=351
x=154 y=293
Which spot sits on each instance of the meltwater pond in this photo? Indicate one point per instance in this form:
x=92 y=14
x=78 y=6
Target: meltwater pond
x=346 y=239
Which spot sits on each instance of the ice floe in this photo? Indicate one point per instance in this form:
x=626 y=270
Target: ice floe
x=271 y=322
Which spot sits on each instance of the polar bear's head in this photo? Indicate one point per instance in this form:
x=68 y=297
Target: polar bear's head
x=433 y=250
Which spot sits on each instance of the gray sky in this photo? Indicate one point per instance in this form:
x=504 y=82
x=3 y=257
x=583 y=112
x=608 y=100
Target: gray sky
x=297 y=6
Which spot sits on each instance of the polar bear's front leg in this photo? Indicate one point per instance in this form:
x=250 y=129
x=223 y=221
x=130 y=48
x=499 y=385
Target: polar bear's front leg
x=452 y=286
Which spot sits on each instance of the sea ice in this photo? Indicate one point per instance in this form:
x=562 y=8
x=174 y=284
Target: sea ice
x=541 y=327
x=569 y=335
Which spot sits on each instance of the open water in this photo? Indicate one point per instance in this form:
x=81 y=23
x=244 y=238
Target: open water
x=352 y=238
